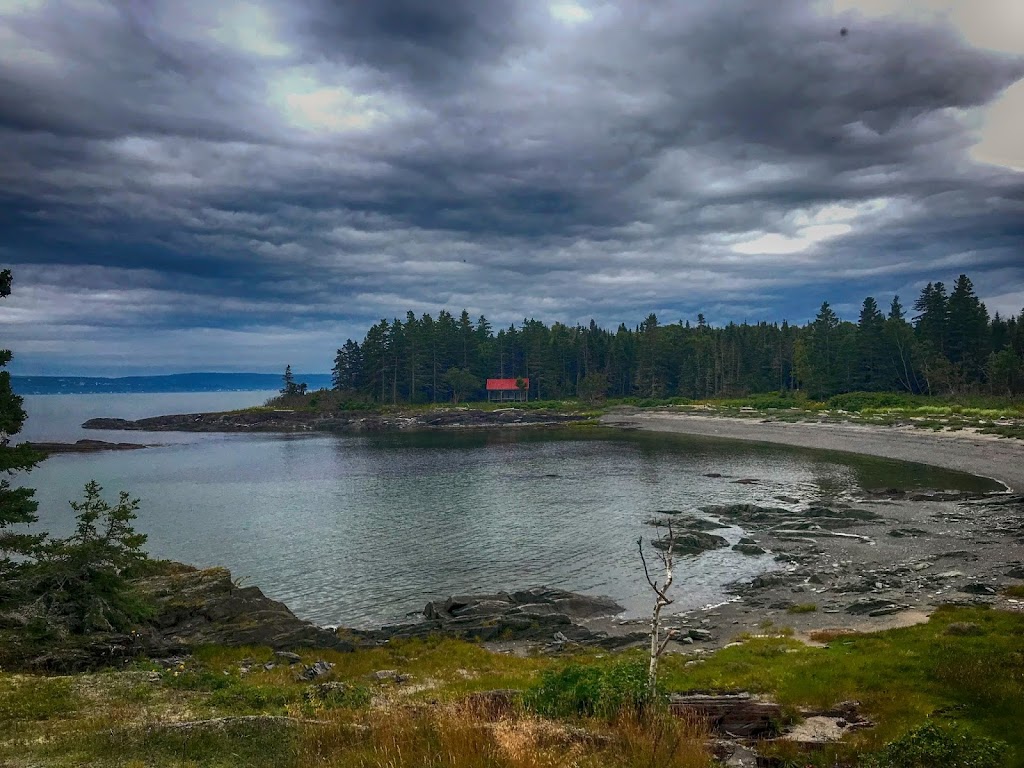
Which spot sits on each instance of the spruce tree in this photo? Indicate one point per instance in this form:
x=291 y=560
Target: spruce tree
x=969 y=340
x=289 y=388
x=347 y=373
x=17 y=505
x=870 y=368
x=818 y=354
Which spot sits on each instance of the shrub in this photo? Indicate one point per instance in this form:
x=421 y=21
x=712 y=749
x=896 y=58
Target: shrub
x=82 y=578
x=932 y=745
x=588 y=690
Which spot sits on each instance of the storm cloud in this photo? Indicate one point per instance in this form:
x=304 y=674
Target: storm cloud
x=193 y=185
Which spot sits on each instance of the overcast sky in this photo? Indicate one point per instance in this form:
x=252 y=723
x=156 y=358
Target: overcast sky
x=218 y=185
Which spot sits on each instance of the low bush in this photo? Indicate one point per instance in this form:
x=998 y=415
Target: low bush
x=578 y=690
x=932 y=745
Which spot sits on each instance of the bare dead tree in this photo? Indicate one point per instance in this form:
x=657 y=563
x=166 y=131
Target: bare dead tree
x=658 y=644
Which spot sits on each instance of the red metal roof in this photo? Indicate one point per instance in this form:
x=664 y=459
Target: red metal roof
x=504 y=384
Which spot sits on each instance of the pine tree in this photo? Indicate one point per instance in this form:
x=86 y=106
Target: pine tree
x=17 y=505
x=818 y=354
x=870 y=367
x=347 y=373
x=969 y=340
x=289 y=387
x=82 y=578
x=932 y=320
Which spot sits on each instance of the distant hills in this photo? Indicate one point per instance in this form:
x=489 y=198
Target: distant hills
x=177 y=382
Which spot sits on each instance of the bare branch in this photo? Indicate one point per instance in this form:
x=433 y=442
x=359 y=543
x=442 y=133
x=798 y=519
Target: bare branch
x=654 y=584
x=669 y=637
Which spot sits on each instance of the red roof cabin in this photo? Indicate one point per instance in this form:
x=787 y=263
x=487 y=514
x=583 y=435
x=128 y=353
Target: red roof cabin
x=508 y=390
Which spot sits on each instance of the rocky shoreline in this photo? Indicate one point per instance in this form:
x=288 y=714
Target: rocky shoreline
x=878 y=561
x=285 y=420
x=883 y=559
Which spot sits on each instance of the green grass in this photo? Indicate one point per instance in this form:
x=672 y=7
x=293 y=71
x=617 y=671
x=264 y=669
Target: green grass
x=901 y=676
x=24 y=698
x=965 y=666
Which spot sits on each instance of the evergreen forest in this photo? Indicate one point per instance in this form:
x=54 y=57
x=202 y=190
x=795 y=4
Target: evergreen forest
x=944 y=344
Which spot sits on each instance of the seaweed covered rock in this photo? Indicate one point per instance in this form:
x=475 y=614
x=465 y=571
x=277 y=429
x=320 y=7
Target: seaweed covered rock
x=689 y=542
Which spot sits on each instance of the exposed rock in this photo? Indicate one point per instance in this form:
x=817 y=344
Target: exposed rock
x=318 y=668
x=740 y=757
x=694 y=524
x=750 y=513
x=977 y=588
x=196 y=607
x=874 y=606
x=738 y=715
x=749 y=549
x=700 y=635
x=689 y=542
x=536 y=614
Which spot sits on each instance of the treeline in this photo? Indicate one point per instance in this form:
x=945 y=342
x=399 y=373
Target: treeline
x=945 y=344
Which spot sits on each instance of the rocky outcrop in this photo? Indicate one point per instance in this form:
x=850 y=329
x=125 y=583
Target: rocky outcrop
x=689 y=542
x=540 y=614
x=194 y=607
x=285 y=420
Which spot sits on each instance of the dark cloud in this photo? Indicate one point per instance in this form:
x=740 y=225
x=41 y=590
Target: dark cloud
x=249 y=183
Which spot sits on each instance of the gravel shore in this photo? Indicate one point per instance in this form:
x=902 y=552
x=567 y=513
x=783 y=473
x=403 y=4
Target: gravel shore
x=873 y=562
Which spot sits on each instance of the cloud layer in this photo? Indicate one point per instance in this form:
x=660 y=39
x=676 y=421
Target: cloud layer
x=193 y=185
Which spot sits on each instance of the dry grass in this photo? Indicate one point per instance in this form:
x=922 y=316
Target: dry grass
x=457 y=736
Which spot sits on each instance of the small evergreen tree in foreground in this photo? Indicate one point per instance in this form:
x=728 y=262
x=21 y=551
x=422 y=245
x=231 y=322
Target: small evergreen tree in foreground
x=81 y=579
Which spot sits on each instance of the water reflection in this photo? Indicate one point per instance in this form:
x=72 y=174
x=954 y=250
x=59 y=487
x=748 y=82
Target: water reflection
x=360 y=530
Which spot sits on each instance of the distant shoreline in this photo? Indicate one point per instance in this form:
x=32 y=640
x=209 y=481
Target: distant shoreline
x=964 y=451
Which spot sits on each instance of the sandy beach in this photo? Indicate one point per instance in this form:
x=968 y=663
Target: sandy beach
x=985 y=455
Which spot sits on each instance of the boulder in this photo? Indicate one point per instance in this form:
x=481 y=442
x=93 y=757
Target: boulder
x=749 y=549
x=689 y=542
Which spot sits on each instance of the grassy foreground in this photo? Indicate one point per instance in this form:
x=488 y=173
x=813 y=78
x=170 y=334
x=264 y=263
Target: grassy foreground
x=222 y=707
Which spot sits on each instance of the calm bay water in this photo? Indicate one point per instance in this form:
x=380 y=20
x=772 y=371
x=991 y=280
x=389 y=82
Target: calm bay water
x=361 y=530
